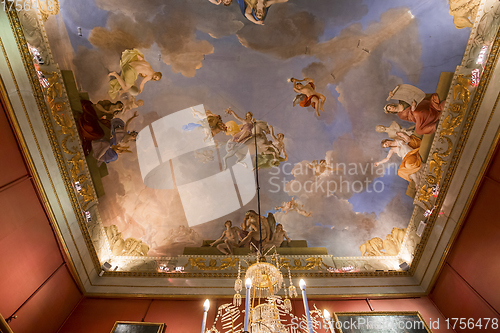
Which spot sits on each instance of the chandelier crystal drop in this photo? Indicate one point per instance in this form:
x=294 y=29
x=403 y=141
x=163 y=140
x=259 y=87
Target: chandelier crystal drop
x=237 y=299
x=238 y=284
x=292 y=291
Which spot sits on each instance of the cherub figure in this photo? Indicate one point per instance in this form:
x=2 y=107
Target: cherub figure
x=272 y=155
x=313 y=98
x=132 y=66
x=393 y=129
x=277 y=239
x=130 y=103
x=278 y=144
x=291 y=206
x=321 y=167
x=230 y=239
x=407 y=148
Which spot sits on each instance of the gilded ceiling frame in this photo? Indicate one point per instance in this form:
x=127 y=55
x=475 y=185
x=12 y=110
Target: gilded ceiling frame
x=460 y=113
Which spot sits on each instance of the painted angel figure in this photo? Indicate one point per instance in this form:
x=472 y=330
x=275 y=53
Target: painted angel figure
x=272 y=155
x=131 y=103
x=291 y=206
x=132 y=66
x=312 y=97
x=393 y=129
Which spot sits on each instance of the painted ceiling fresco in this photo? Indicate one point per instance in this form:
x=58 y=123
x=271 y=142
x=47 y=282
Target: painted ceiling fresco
x=315 y=76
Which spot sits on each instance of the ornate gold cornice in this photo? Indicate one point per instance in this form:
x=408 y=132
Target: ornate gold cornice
x=56 y=106
x=449 y=133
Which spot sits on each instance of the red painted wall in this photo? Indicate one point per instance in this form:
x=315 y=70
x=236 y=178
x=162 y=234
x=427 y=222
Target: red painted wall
x=35 y=284
x=468 y=286
x=182 y=316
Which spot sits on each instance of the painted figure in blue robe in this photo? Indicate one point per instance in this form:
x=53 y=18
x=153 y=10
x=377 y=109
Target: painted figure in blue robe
x=106 y=151
x=256 y=10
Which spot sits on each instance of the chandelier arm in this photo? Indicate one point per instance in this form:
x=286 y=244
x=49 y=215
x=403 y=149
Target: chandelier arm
x=273 y=247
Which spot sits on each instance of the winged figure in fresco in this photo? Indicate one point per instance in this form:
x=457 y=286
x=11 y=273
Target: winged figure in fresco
x=291 y=206
x=132 y=66
x=272 y=156
x=131 y=103
x=308 y=96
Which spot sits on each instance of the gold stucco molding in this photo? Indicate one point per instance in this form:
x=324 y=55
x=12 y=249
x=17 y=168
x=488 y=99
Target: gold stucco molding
x=52 y=102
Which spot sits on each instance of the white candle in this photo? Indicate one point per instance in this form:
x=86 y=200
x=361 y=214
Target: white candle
x=206 y=306
x=302 y=285
x=327 y=316
x=248 y=285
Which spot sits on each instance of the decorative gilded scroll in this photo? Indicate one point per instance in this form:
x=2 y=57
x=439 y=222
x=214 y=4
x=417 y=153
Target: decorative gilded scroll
x=448 y=127
x=48 y=7
x=205 y=264
x=212 y=264
x=66 y=133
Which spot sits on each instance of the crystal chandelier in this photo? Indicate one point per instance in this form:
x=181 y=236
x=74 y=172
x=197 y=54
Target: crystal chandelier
x=265 y=311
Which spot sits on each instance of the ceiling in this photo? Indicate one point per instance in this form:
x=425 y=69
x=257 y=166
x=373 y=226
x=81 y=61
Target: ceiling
x=172 y=192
